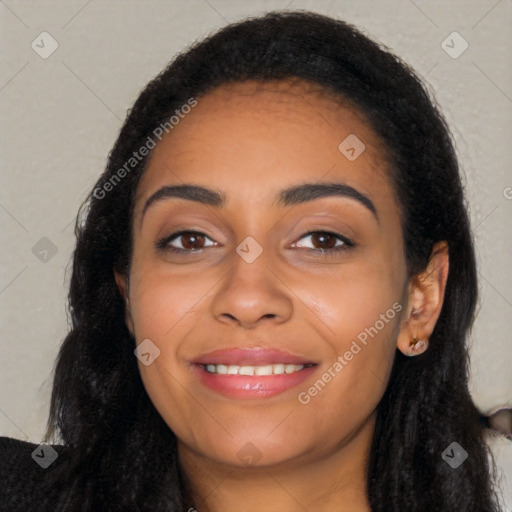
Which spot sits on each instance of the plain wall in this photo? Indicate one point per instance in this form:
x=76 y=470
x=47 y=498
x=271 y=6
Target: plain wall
x=61 y=116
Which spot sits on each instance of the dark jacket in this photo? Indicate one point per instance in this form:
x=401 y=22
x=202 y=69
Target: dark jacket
x=24 y=466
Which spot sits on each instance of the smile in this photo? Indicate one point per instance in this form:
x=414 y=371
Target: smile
x=251 y=382
x=269 y=369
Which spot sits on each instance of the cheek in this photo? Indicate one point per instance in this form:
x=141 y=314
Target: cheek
x=162 y=303
x=351 y=300
x=360 y=316
x=350 y=384
x=163 y=310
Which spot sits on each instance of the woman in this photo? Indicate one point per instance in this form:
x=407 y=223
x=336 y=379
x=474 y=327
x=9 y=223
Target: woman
x=271 y=293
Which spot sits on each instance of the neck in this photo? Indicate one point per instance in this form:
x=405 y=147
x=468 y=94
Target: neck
x=315 y=481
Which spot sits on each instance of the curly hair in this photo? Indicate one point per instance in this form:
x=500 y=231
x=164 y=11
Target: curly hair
x=123 y=455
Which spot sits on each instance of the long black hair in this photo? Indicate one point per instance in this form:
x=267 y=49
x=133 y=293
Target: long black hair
x=122 y=455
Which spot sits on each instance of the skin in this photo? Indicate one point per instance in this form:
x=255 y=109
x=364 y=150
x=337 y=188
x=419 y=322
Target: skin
x=248 y=141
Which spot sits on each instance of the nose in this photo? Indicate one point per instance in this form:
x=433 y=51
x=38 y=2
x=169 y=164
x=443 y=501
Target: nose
x=252 y=293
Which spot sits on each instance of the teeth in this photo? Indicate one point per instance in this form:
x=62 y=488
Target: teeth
x=222 y=369
x=263 y=370
x=289 y=368
x=270 y=369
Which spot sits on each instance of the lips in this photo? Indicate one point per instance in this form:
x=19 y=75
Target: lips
x=251 y=357
x=243 y=373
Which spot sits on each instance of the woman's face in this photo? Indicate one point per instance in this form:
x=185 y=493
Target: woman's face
x=316 y=276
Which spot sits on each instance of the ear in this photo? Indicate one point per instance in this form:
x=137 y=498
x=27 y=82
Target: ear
x=123 y=286
x=425 y=300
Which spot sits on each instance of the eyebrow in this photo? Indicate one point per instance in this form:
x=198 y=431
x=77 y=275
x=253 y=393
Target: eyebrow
x=296 y=194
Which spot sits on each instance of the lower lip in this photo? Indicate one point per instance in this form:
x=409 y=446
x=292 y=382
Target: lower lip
x=252 y=386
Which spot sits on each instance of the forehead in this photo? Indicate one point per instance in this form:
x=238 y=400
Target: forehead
x=251 y=138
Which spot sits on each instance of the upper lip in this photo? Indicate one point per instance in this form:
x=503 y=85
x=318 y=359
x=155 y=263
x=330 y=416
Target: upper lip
x=250 y=356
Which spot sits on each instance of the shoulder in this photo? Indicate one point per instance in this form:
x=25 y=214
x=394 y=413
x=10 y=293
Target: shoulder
x=24 y=466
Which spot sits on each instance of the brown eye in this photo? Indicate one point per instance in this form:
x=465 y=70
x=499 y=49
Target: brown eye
x=323 y=240
x=192 y=240
x=326 y=242
x=184 y=241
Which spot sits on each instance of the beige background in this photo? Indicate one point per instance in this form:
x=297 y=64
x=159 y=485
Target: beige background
x=61 y=115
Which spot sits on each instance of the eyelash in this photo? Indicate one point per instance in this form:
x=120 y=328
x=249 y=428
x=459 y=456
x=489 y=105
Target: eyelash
x=163 y=243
